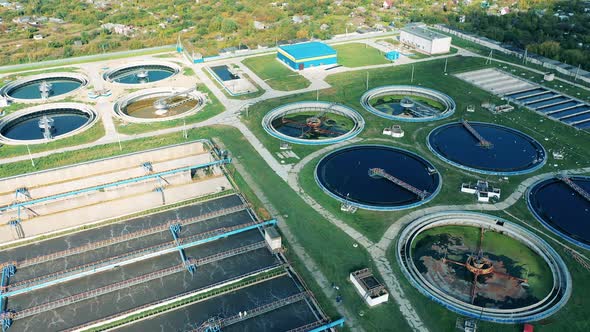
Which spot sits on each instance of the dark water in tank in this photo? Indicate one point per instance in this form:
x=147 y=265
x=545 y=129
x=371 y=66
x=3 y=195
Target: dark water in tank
x=345 y=173
x=129 y=75
x=223 y=73
x=27 y=128
x=31 y=90
x=563 y=208
x=512 y=151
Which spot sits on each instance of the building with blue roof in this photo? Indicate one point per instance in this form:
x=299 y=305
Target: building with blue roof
x=305 y=55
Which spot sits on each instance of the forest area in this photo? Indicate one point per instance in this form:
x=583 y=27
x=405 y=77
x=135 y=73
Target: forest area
x=558 y=30
x=38 y=30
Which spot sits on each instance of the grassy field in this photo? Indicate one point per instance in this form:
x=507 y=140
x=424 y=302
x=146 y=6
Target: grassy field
x=276 y=74
x=357 y=55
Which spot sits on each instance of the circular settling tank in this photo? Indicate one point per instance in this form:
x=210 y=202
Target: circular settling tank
x=483 y=267
x=562 y=205
x=45 y=123
x=486 y=148
x=159 y=104
x=141 y=73
x=377 y=177
x=313 y=123
x=408 y=103
x=44 y=86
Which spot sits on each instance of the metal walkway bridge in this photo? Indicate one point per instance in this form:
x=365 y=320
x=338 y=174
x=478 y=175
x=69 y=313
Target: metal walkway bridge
x=380 y=172
x=575 y=187
x=482 y=141
x=164 y=102
x=217 y=324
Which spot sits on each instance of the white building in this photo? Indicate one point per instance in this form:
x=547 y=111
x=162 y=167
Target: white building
x=482 y=190
x=425 y=40
x=273 y=238
x=372 y=291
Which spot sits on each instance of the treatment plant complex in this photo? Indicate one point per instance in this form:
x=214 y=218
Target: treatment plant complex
x=312 y=186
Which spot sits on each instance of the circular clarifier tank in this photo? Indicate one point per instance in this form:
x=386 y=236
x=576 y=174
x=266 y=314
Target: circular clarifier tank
x=159 y=104
x=313 y=123
x=44 y=86
x=378 y=177
x=562 y=205
x=408 y=103
x=486 y=148
x=142 y=72
x=45 y=123
x=483 y=267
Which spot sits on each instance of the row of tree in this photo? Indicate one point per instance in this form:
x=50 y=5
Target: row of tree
x=560 y=32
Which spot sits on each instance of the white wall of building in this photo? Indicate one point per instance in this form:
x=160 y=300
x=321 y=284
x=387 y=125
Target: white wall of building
x=434 y=46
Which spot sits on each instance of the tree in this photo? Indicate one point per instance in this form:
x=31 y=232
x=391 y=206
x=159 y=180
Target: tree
x=303 y=33
x=229 y=25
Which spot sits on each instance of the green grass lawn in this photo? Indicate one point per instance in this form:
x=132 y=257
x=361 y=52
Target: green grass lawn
x=276 y=74
x=357 y=55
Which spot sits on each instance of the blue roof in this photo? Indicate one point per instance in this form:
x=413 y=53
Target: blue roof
x=308 y=50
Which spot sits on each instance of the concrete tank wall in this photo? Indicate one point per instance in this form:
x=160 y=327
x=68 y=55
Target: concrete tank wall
x=85 y=170
x=120 y=205
x=132 y=171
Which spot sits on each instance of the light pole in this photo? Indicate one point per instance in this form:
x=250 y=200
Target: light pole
x=30 y=156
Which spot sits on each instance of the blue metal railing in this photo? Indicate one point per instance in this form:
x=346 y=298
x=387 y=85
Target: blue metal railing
x=339 y=322
x=109 y=185
x=175 y=230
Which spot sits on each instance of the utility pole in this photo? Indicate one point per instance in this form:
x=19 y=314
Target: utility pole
x=526 y=53
x=412 y=78
x=446 y=62
x=489 y=58
x=317 y=94
x=367 y=80
x=30 y=156
x=577 y=72
x=119 y=140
